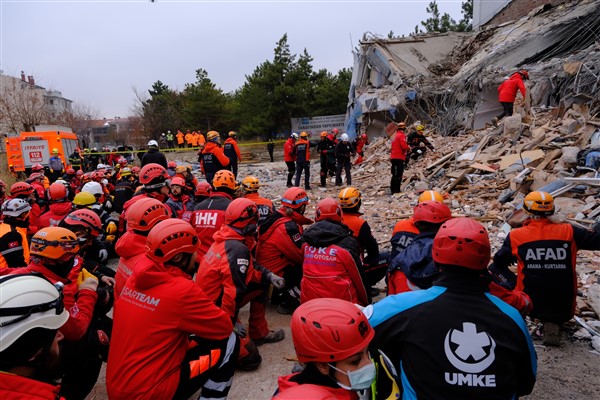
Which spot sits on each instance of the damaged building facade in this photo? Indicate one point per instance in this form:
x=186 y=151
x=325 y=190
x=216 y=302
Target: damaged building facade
x=450 y=80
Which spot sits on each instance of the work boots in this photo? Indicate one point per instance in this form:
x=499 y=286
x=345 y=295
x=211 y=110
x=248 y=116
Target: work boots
x=551 y=334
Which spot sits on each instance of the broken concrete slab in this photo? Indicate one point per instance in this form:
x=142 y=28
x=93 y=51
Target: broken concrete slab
x=523 y=158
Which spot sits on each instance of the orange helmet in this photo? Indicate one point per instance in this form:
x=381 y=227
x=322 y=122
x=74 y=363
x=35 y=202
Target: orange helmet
x=54 y=242
x=203 y=189
x=145 y=214
x=85 y=218
x=539 y=203
x=21 y=189
x=323 y=134
x=169 y=238
x=232 y=134
x=349 y=197
x=224 y=179
x=57 y=192
x=431 y=195
x=294 y=198
x=251 y=184
x=241 y=213
x=432 y=211
x=329 y=209
x=303 y=134
x=212 y=136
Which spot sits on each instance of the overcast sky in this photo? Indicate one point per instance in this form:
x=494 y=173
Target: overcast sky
x=95 y=52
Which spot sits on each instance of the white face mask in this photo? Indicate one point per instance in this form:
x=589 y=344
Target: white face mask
x=360 y=379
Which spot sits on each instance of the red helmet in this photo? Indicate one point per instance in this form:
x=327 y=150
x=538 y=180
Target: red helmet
x=524 y=73
x=335 y=131
x=122 y=161
x=294 y=198
x=172 y=164
x=21 y=189
x=152 y=174
x=329 y=209
x=203 y=189
x=241 y=212
x=97 y=176
x=169 y=238
x=463 y=242
x=79 y=173
x=364 y=136
x=329 y=330
x=432 y=211
x=37 y=167
x=86 y=218
x=57 y=192
x=70 y=171
x=179 y=181
x=36 y=176
x=145 y=213
x=136 y=170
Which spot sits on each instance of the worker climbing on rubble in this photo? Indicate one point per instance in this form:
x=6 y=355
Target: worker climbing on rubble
x=232 y=151
x=359 y=145
x=343 y=154
x=302 y=152
x=375 y=263
x=456 y=332
x=507 y=93
x=332 y=266
x=187 y=342
x=331 y=339
x=213 y=158
x=289 y=156
x=418 y=143
x=546 y=254
x=250 y=186
x=279 y=246
x=397 y=157
x=405 y=230
x=231 y=278
x=326 y=150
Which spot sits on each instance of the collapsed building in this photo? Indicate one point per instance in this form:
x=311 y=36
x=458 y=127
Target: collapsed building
x=450 y=80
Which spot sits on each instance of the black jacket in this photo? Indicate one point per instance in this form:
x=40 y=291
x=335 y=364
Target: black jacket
x=343 y=151
x=455 y=341
x=154 y=156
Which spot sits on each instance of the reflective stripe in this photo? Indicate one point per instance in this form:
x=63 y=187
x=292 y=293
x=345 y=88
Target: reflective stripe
x=19 y=248
x=229 y=349
x=217 y=386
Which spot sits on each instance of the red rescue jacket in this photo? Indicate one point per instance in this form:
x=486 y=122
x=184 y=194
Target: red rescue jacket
x=56 y=213
x=507 y=91
x=16 y=387
x=207 y=219
x=289 y=390
x=131 y=247
x=289 y=151
x=399 y=146
x=265 y=206
x=159 y=307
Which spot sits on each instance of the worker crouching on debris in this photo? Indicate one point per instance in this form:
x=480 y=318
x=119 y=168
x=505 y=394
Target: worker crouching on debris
x=331 y=338
x=456 y=340
x=418 y=143
x=507 y=92
x=545 y=253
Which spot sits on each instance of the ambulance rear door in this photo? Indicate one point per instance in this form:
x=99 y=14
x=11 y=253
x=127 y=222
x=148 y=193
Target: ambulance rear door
x=35 y=151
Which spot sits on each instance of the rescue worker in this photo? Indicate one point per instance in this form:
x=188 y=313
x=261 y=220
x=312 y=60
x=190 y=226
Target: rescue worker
x=270 y=149
x=131 y=247
x=279 y=246
x=56 y=166
x=171 y=165
x=331 y=338
x=180 y=141
x=405 y=230
x=413 y=268
x=164 y=361
x=230 y=278
x=232 y=151
x=201 y=140
x=189 y=138
x=124 y=190
x=397 y=157
x=213 y=158
x=202 y=191
x=456 y=332
x=374 y=263
x=170 y=140
x=59 y=206
x=326 y=150
x=418 y=143
x=546 y=257
x=179 y=200
x=289 y=156
x=343 y=154
x=32 y=312
x=185 y=172
x=23 y=190
x=250 y=186
x=94 y=158
x=154 y=156
x=76 y=160
x=37 y=181
x=14 y=247
x=302 y=152
x=332 y=265
x=194 y=139
x=507 y=93
x=209 y=215
x=359 y=144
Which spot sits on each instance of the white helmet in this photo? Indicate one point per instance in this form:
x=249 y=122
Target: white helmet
x=344 y=137
x=153 y=143
x=28 y=302
x=93 y=188
x=295 y=135
x=100 y=166
x=15 y=207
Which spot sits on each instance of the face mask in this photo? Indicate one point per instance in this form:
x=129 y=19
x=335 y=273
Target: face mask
x=360 y=379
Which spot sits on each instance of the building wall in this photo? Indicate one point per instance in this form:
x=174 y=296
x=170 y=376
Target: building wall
x=485 y=10
x=501 y=11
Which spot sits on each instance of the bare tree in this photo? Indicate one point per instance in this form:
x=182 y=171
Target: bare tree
x=21 y=105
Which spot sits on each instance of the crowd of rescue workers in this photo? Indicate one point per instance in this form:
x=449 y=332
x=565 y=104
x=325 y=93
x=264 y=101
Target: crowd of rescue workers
x=192 y=252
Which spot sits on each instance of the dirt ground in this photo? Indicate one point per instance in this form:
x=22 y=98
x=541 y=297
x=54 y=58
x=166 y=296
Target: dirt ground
x=571 y=371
